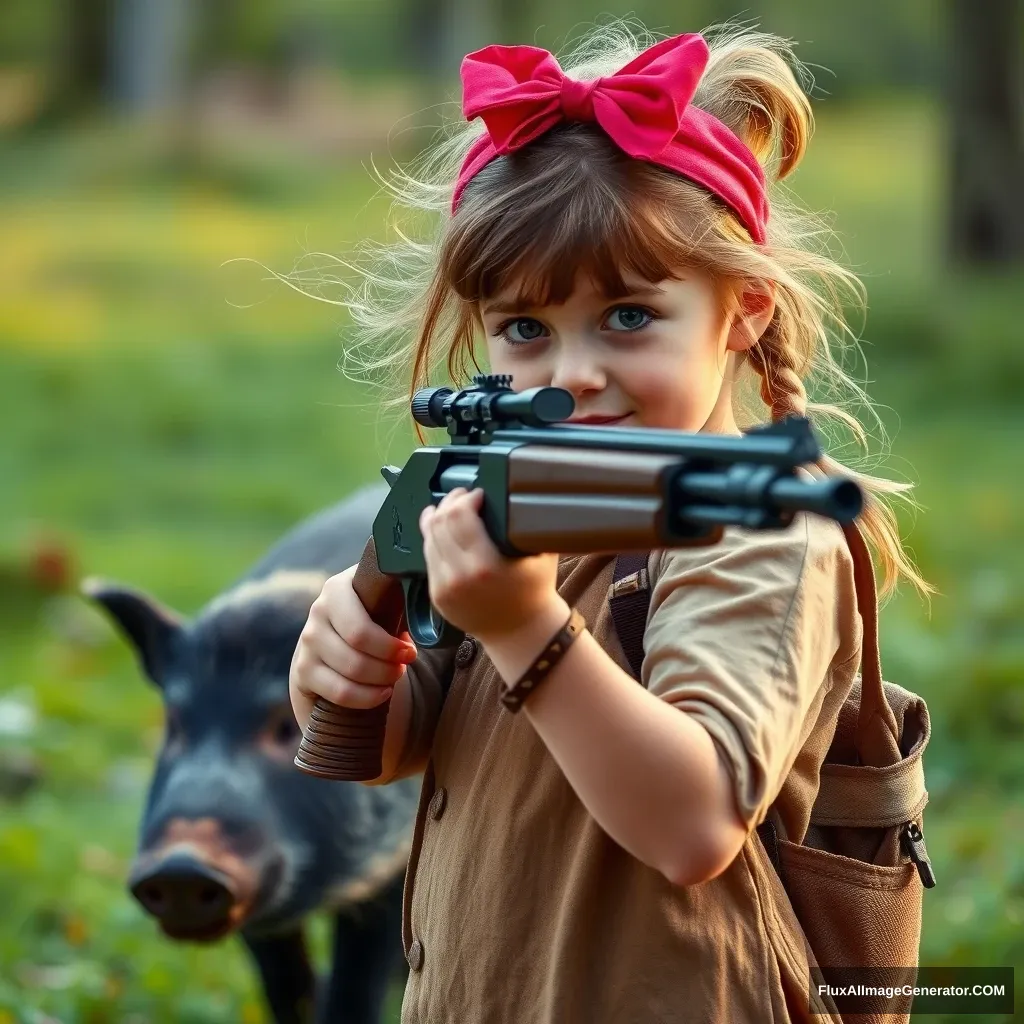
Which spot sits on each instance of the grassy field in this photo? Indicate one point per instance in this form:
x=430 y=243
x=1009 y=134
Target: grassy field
x=165 y=418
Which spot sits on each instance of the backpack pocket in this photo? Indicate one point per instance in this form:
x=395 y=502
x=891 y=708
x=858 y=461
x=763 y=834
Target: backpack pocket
x=856 y=881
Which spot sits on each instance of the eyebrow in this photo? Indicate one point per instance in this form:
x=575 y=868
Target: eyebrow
x=511 y=306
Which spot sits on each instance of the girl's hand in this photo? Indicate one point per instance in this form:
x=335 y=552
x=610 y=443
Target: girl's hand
x=471 y=583
x=343 y=655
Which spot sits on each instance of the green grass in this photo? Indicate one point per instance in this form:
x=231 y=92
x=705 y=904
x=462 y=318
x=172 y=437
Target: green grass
x=166 y=417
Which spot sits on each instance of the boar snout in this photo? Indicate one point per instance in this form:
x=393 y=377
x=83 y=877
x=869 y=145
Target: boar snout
x=193 y=883
x=190 y=899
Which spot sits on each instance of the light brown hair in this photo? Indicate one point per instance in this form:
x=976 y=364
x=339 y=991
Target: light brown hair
x=572 y=202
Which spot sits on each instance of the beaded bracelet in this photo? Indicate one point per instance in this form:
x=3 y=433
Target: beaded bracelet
x=514 y=696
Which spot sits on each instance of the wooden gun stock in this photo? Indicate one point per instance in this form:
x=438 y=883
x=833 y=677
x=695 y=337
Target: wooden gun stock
x=345 y=744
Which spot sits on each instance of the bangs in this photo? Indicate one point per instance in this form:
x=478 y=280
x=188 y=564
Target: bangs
x=532 y=223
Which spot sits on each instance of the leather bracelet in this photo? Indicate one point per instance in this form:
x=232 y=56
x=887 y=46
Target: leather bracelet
x=514 y=696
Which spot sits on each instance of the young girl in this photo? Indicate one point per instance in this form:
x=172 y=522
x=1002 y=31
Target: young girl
x=591 y=859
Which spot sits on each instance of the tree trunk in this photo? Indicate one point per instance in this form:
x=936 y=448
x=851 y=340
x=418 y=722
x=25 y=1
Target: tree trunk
x=88 y=52
x=439 y=33
x=151 y=49
x=81 y=61
x=987 y=132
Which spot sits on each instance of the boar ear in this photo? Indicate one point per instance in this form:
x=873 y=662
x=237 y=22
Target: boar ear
x=149 y=626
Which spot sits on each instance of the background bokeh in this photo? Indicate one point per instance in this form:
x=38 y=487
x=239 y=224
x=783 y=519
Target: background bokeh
x=165 y=414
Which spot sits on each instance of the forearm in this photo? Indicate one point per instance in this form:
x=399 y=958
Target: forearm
x=649 y=774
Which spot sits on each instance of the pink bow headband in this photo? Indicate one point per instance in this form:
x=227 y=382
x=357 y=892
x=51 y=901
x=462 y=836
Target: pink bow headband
x=520 y=92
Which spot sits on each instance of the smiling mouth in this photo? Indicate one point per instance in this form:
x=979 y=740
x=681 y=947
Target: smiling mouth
x=597 y=421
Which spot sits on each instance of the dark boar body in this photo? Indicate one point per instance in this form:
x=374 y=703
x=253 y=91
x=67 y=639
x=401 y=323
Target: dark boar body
x=234 y=838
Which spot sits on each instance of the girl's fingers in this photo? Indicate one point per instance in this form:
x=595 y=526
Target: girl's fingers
x=437 y=548
x=330 y=649
x=354 y=627
x=465 y=528
x=432 y=514
x=324 y=682
x=433 y=555
x=455 y=524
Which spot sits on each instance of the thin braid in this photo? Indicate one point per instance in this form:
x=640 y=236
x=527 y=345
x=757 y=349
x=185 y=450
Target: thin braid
x=782 y=389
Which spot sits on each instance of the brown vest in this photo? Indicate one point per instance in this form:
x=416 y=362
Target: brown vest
x=520 y=908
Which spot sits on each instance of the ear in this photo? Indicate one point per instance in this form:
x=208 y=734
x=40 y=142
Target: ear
x=151 y=628
x=753 y=306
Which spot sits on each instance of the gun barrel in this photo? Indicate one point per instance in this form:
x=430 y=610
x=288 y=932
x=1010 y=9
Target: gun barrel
x=752 y=486
x=840 y=499
x=786 y=446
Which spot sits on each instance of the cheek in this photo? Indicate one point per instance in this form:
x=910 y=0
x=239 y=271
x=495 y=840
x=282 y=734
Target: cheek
x=497 y=357
x=662 y=399
x=675 y=393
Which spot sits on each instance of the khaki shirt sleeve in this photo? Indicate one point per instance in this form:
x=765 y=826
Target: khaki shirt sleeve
x=429 y=677
x=744 y=636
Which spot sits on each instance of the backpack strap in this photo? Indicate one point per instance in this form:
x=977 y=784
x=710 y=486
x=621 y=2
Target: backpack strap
x=878 y=733
x=629 y=602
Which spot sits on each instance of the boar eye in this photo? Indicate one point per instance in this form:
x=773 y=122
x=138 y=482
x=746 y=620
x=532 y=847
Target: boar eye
x=286 y=731
x=280 y=735
x=282 y=727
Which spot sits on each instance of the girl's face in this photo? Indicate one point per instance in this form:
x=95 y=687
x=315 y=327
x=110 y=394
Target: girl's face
x=662 y=356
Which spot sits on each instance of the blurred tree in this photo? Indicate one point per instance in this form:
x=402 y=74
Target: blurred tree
x=437 y=34
x=87 y=49
x=987 y=131
x=80 y=61
x=149 y=57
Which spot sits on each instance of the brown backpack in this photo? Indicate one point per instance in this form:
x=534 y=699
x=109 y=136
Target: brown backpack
x=856 y=882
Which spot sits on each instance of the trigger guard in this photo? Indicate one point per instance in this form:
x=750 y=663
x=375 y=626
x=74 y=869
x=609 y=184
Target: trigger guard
x=426 y=627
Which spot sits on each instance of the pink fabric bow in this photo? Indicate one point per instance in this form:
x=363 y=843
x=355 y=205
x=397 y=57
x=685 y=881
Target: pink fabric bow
x=520 y=92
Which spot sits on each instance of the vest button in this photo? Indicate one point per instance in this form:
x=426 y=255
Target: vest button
x=465 y=653
x=415 y=956
x=437 y=803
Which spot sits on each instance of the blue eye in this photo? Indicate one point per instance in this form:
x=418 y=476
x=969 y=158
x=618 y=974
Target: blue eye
x=527 y=329
x=630 y=318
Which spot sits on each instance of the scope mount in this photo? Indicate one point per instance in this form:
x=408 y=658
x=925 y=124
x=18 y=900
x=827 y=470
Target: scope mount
x=476 y=419
x=492 y=381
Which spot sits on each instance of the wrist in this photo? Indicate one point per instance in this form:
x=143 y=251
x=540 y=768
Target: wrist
x=513 y=650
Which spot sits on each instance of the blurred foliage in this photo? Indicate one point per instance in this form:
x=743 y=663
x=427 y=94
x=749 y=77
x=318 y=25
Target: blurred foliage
x=865 y=46
x=167 y=417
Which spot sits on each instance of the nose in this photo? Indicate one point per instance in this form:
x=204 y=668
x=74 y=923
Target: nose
x=190 y=899
x=577 y=371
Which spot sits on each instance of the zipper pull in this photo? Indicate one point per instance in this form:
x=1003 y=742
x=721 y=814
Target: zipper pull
x=912 y=841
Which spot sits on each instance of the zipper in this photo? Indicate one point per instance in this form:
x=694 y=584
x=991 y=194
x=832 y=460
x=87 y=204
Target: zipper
x=912 y=841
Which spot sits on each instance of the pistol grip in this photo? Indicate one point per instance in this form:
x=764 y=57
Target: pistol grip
x=346 y=744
